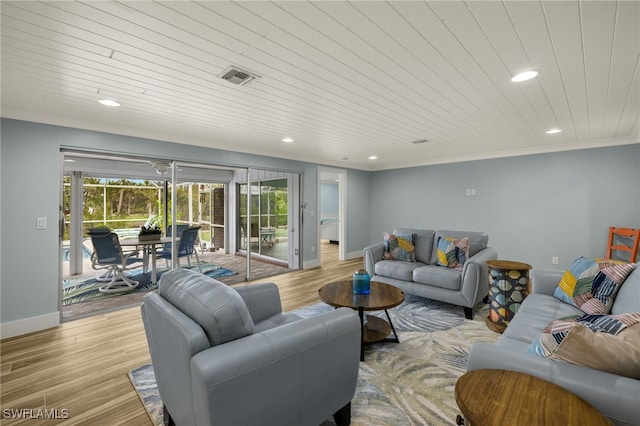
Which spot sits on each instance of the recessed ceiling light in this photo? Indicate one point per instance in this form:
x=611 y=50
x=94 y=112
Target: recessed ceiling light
x=526 y=75
x=553 y=131
x=287 y=140
x=109 y=102
x=373 y=157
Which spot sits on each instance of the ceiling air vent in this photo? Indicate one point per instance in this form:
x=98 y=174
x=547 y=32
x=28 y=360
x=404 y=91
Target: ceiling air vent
x=237 y=76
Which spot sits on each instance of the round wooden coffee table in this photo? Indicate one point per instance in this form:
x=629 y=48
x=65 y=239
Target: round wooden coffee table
x=499 y=397
x=382 y=297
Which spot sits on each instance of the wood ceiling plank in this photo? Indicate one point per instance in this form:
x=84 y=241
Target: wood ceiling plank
x=624 y=65
x=565 y=31
x=598 y=20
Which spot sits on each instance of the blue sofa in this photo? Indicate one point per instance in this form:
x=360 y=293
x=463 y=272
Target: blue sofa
x=425 y=278
x=614 y=395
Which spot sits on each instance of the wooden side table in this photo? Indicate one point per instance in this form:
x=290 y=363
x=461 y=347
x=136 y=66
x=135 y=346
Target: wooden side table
x=508 y=286
x=500 y=397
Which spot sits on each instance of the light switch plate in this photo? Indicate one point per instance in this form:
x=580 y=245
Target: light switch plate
x=41 y=223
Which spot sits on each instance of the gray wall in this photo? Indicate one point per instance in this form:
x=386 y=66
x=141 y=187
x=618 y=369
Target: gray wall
x=533 y=207
x=359 y=197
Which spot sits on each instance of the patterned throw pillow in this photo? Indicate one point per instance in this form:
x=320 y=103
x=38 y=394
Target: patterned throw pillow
x=453 y=252
x=605 y=342
x=399 y=247
x=592 y=284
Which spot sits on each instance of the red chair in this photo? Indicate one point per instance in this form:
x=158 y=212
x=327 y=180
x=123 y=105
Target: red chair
x=625 y=240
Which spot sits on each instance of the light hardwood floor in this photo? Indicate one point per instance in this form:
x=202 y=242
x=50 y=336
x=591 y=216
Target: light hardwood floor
x=81 y=366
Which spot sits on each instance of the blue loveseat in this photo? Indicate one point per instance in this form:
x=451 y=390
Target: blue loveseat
x=425 y=278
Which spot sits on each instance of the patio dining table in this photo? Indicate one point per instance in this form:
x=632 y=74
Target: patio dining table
x=147 y=246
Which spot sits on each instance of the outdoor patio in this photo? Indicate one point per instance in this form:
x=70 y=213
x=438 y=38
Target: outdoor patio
x=260 y=268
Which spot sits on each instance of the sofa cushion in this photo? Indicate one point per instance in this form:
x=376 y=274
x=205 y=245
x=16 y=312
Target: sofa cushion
x=534 y=314
x=216 y=307
x=453 y=252
x=437 y=276
x=399 y=247
x=605 y=342
x=423 y=242
x=479 y=241
x=396 y=269
x=592 y=284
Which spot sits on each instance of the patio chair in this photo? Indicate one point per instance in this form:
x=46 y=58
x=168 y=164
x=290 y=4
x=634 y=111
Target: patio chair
x=109 y=254
x=108 y=275
x=186 y=247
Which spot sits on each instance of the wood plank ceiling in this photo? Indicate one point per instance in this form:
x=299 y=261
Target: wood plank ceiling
x=344 y=80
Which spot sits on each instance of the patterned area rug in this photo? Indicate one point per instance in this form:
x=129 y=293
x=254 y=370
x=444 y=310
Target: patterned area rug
x=86 y=289
x=406 y=383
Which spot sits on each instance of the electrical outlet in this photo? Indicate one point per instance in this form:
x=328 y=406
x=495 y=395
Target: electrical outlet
x=473 y=191
x=554 y=260
x=468 y=191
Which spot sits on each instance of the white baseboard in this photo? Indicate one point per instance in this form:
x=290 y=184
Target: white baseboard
x=29 y=325
x=311 y=264
x=354 y=255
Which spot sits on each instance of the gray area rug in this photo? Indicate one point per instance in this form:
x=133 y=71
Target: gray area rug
x=406 y=383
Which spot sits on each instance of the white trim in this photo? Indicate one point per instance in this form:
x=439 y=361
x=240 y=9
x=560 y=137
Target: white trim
x=314 y=263
x=353 y=255
x=29 y=325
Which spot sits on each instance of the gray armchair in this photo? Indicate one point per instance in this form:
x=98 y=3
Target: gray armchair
x=230 y=356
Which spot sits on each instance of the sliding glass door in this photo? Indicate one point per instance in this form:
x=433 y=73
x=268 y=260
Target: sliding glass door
x=267 y=229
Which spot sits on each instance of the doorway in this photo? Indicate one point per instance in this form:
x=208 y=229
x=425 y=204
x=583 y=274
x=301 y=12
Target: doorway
x=332 y=185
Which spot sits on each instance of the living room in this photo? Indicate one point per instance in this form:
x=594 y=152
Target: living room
x=537 y=204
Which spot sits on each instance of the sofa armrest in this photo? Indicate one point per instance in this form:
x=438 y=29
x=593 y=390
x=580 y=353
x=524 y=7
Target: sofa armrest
x=544 y=281
x=475 y=276
x=372 y=254
x=285 y=375
x=262 y=300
